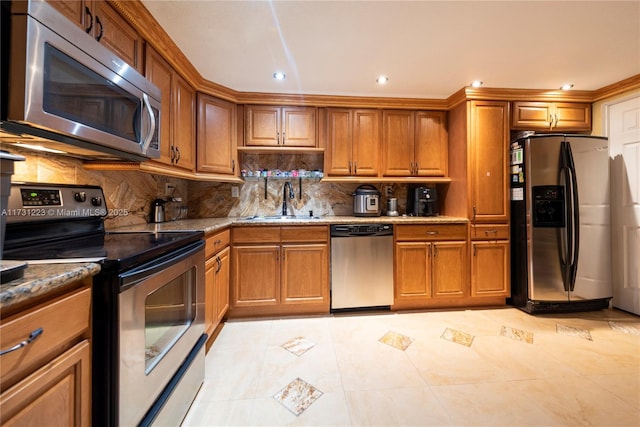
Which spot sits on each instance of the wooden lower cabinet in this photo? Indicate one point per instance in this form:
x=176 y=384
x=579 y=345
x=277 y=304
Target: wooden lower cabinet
x=490 y=268
x=425 y=271
x=58 y=393
x=217 y=271
x=279 y=270
x=48 y=381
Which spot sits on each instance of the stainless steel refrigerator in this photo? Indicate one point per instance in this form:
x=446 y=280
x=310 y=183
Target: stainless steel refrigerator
x=560 y=223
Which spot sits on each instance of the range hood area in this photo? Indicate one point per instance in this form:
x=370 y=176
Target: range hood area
x=65 y=93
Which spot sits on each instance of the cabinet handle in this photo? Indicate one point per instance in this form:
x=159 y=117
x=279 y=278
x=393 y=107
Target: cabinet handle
x=433 y=233
x=415 y=168
x=172 y=151
x=350 y=168
x=277 y=254
x=177 y=155
x=233 y=166
x=99 y=36
x=355 y=168
x=283 y=138
x=493 y=231
x=219 y=261
x=435 y=251
x=474 y=213
x=278 y=137
x=32 y=337
x=87 y=11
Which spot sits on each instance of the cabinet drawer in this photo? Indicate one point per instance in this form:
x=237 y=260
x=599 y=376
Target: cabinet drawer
x=490 y=232
x=256 y=235
x=315 y=233
x=61 y=321
x=423 y=232
x=216 y=242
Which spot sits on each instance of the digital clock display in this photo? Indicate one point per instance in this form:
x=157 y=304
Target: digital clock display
x=44 y=197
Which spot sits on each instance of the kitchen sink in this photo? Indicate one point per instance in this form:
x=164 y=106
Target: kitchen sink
x=280 y=217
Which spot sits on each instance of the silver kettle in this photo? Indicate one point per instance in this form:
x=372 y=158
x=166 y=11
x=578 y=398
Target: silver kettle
x=157 y=210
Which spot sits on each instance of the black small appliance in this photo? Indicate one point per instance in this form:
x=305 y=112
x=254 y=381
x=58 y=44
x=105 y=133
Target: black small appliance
x=422 y=201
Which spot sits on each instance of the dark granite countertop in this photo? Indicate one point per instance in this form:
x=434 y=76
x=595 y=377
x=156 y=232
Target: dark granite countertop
x=210 y=225
x=40 y=279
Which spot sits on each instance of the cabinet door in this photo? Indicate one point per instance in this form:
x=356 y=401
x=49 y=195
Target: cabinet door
x=490 y=268
x=79 y=12
x=256 y=275
x=449 y=260
x=431 y=143
x=338 y=157
x=59 y=392
x=305 y=274
x=209 y=294
x=531 y=115
x=412 y=273
x=262 y=126
x=115 y=33
x=222 y=270
x=298 y=126
x=159 y=72
x=366 y=142
x=216 y=135
x=572 y=116
x=488 y=175
x=397 y=143
x=183 y=122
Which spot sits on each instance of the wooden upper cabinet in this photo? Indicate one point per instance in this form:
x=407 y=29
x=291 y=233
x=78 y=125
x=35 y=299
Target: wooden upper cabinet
x=102 y=22
x=216 y=142
x=414 y=143
x=432 y=143
x=280 y=126
x=397 y=143
x=177 y=121
x=488 y=149
x=551 y=116
x=353 y=142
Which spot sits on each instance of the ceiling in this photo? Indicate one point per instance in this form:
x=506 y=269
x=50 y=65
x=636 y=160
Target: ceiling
x=428 y=49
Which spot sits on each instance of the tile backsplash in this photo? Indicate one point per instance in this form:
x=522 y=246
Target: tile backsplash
x=133 y=191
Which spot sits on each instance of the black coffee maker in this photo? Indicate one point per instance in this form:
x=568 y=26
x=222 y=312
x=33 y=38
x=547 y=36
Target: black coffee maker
x=422 y=201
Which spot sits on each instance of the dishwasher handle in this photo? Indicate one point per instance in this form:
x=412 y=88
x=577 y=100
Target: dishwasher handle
x=361 y=230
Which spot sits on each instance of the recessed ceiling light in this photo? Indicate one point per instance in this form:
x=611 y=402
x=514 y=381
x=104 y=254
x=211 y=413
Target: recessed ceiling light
x=382 y=80
x=279 y=75
x=566 y=86
x=476 y=83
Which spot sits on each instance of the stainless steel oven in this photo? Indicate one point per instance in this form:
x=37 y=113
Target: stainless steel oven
x=67 y=92
x=148 y=339
x=161 y=319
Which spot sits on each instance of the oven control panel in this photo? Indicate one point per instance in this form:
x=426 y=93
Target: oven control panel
x=32 y=202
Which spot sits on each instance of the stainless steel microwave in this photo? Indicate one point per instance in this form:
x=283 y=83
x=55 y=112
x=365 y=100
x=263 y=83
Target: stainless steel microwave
x=67 y=92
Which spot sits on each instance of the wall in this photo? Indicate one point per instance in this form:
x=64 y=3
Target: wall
x=133 y=191
x=128 y=191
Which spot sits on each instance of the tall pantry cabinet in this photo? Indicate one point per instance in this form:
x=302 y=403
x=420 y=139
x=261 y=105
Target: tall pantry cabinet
x=479 y=190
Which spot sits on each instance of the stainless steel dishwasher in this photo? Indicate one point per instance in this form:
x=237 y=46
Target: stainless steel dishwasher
x=361 y=266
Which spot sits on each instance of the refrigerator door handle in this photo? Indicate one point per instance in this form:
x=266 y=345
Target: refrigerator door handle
x=575 y=218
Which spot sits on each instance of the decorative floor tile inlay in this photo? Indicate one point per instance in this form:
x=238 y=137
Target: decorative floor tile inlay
x=573 y=332
x=298 y=345
x=517 y=334
x=457 y=337
x=394 y=339
x=626 y=329
x=297 y=396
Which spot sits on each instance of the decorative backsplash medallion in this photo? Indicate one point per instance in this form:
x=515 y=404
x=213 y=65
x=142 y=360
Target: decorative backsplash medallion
x=298 y=345
x=297 y=396
x=573 y=332
x=458 y=337
x=396 y=340
x=516 y=334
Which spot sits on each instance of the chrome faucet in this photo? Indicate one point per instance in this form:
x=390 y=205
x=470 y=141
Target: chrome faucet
x=284 y=196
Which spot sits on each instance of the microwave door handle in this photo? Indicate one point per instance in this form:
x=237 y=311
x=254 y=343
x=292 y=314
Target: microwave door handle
x=152 y=123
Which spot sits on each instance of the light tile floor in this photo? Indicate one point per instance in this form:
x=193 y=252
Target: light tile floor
x=494 y=367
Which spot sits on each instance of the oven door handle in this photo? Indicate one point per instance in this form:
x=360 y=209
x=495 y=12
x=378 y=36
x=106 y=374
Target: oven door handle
x=140 y=273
